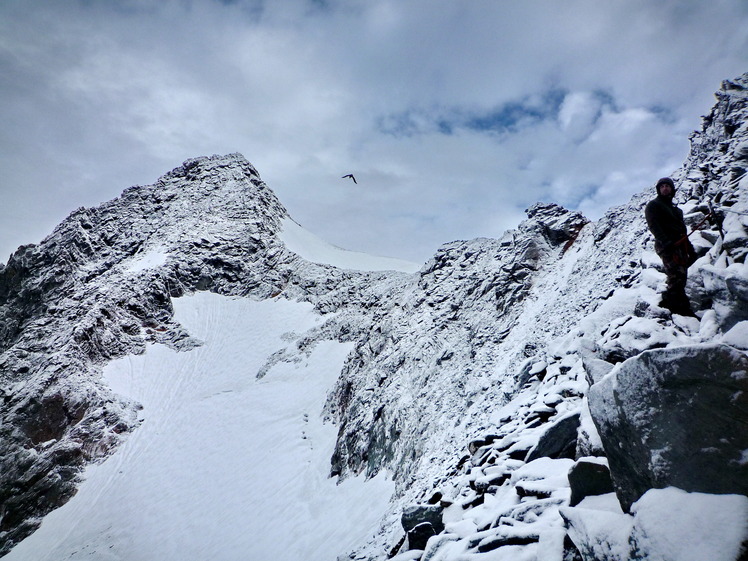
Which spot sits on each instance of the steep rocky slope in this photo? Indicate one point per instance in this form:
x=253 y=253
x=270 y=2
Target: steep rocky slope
x=669 y=400
x=467 y=380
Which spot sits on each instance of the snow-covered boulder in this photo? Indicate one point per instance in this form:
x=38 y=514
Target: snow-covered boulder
x=664 y=525
x=670 y=524
x=675 y=417
x=598 y=529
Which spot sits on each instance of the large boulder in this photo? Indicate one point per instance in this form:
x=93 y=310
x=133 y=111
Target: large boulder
x=675 y=417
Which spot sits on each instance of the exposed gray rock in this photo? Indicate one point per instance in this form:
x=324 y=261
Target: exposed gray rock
x=728 y=293
x=596 y=369
x=557 y=224
x=675 y=417
x=421 y=522
x=588 y=440
x=458 y=310
x=558 y=441
x=419 y=536
x=588 y=477
x=418 y=514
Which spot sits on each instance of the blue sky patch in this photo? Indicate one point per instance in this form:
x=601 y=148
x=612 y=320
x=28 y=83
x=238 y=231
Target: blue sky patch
x=509 y=116
x=503 y=118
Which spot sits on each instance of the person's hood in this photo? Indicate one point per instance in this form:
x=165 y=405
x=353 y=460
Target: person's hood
x=665 y=181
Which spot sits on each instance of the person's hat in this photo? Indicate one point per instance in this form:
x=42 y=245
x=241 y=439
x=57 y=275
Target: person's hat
x=665 y=181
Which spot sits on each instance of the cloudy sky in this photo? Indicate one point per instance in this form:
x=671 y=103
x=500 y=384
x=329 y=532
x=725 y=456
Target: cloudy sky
x=454 y=115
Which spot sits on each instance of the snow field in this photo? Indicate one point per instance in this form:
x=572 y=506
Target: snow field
x=316 y=250
x=224 y=466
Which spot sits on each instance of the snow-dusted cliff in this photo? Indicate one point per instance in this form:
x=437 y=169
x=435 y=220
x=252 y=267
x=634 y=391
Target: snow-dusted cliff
x=465 y=382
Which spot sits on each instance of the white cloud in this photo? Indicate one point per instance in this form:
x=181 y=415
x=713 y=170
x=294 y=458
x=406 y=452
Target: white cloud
x=578 y=113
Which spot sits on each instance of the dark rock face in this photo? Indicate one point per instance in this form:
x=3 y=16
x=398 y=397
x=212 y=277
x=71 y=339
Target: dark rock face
x=587 y=478
x=558 y=441
x=675 y=417
x=559 y=226
x=420 y=522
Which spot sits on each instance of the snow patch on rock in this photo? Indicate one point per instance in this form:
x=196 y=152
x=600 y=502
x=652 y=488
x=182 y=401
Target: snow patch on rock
x=314 y=249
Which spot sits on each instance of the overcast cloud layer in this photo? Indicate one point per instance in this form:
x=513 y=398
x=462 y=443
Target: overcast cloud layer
x=454 y=116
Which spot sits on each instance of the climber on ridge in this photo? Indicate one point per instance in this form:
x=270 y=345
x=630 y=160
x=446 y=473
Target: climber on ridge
x=665 y=221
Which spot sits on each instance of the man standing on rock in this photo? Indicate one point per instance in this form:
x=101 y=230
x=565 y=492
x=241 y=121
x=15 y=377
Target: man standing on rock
x=665 y=221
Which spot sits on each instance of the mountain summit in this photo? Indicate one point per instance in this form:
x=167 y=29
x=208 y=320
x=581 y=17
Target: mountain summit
x=215 y=382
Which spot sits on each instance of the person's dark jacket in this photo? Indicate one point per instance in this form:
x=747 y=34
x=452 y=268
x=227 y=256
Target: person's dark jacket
x=665 y=221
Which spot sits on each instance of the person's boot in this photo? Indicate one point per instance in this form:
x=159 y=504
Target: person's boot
x=681 y=305
x=667 y=302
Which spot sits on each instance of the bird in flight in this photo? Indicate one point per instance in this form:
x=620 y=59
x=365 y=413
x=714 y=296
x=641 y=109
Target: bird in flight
x=351 y=176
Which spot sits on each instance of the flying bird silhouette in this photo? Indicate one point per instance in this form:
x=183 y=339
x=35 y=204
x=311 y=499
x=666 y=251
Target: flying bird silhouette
x=351 y=176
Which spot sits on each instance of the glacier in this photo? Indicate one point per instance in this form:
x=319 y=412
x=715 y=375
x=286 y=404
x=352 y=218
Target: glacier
x=187 y=373
x=223 y=464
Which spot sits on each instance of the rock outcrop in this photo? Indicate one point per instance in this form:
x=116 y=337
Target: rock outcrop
x=675 y=418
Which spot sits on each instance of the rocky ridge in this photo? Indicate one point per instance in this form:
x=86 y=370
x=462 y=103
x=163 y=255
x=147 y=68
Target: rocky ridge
x=542 y=453
x=492 y=342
